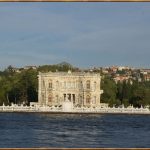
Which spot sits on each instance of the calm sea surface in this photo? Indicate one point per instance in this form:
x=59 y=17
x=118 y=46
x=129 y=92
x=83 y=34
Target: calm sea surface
x=47 y=130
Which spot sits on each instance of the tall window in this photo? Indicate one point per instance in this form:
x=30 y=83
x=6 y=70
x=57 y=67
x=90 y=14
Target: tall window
x=94 y=100
x=94 y=85
x=42 y=97
x=57 y=99
x=50 y=84
x=57 y=84
x=69 y=84
x=73 y=84
x=64 y=84
x=87 y=99
x=43 y=84
x=50 y=98
x=88 y=84
x=81 y=85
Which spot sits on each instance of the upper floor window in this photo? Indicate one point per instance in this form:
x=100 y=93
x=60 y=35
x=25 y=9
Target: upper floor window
x=81 y=85
x=43 y=84
x=50 y=84
x=57 y=84
x=69 y=84
x=64 y=84
x=88 y=84
x=57 y=99
x=94 y=85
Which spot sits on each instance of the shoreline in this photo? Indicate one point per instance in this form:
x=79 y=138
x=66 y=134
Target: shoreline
x=78 y=113
x=73 y=110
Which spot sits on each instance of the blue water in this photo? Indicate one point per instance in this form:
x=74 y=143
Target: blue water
x=47 y=130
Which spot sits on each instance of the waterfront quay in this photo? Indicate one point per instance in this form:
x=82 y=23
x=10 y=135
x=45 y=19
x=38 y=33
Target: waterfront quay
x=73 y=93
x=75 y=110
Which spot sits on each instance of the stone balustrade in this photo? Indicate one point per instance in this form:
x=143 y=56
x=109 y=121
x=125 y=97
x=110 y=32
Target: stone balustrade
x=16 y=108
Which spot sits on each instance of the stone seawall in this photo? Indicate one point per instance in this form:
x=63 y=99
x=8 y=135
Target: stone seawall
x=60 y=110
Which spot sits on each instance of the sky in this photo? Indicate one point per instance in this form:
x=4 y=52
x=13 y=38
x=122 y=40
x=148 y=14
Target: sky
x=82 y=34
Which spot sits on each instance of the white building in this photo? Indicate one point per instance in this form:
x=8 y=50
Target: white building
x=83 y=89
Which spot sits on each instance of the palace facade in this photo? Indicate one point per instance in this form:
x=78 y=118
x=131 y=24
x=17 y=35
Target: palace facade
x=82 y=89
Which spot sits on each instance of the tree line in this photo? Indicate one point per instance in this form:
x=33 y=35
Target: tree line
x=125 y=93
x=22 y=88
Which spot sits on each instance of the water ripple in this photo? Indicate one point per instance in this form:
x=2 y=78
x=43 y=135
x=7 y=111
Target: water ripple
x=47 y=130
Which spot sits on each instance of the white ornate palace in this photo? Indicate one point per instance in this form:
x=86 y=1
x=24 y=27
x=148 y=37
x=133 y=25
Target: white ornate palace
x=82 y=89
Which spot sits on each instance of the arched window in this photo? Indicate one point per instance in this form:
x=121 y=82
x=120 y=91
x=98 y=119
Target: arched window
x=57 y=84
x=50 y=84
x=43 y=84
x=57 y=99
x=95 y=85
x=64 y=84
x=94 y=100
x=73 y=84
x=69 y=84
x=88 y=99
x=88 y=84
x=50 y=98
x=81 y=85
x=42 y=97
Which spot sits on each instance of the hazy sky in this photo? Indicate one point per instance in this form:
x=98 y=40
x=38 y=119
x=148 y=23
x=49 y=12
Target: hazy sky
x=83 y=34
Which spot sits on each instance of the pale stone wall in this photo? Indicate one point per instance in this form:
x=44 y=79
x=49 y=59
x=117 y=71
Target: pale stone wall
x=83 y=89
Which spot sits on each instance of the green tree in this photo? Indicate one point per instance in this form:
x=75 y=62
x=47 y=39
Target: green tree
x=109 y=87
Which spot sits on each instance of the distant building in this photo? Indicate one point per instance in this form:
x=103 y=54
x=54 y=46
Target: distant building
x=17 y=70
x=120 y=78
x=147 y=77
x=83 y=89
x=113 y=68
x=144 y=72
x=30 y=67
x=105 y=71
x=120 y=68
